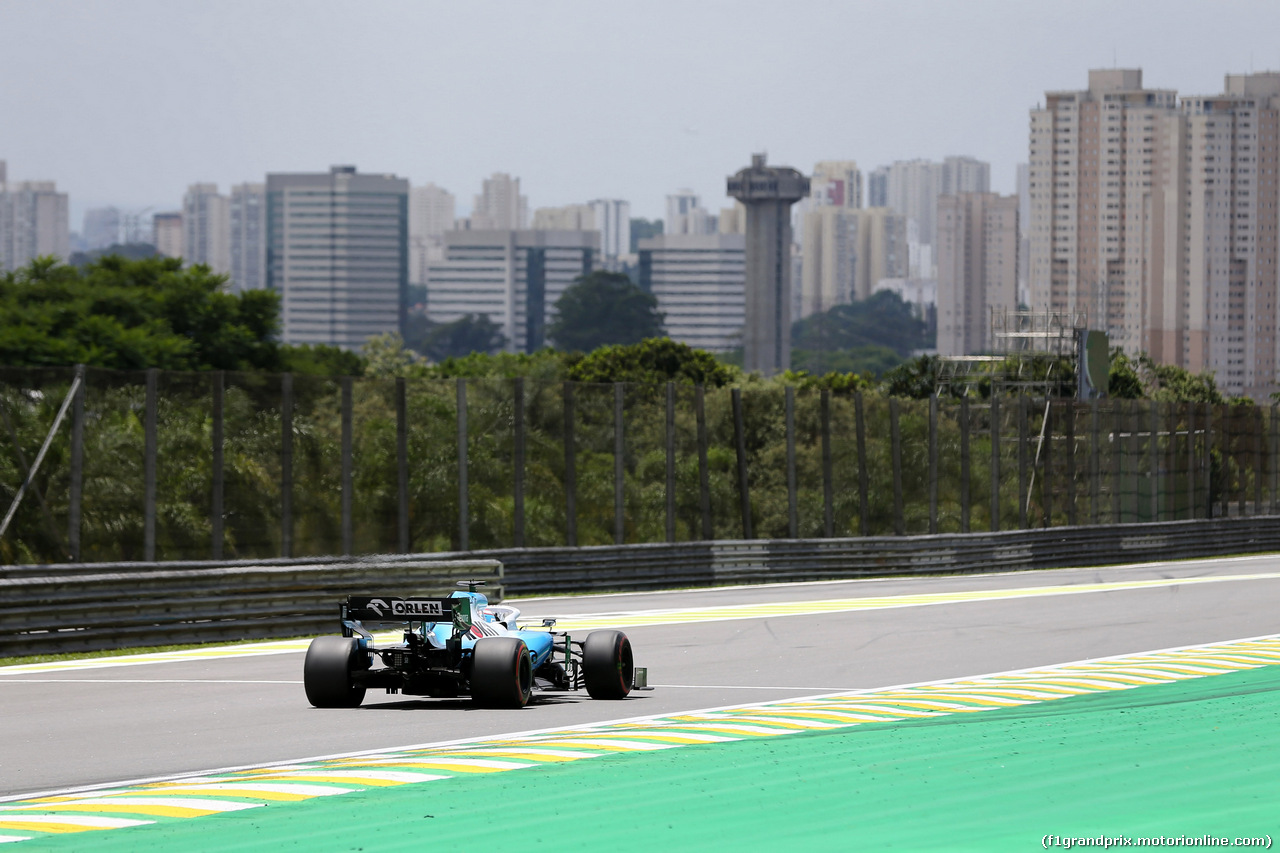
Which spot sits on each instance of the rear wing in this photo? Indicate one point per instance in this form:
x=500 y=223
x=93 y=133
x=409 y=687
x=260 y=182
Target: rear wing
x=389 y=608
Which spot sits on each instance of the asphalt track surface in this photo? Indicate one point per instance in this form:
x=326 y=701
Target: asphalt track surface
x=61 y=730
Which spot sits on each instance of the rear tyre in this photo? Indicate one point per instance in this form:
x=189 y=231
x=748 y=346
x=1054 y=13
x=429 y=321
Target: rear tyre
x=501 y=673
x=326 y=672
x=607 y=666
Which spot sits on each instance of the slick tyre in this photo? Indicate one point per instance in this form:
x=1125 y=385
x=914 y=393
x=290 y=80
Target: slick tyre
x=501 y=673
x=326 y=672
x=607 y=667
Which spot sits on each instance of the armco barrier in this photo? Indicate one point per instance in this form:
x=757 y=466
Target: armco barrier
x=65 y=608
x=88 y=607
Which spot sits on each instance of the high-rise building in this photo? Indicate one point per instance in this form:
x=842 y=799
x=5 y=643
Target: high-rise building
x=768 y=193
x=1214 y=291
x=206 y=228
x=613 y=221
x=699 y=281
x=965 y=175
x=512 y=277
x=878 y=187
x=912 y=187
x=102 y=228
x=836 y=183
x=686 y=215
x=571 y=217
x=847 y=252
x=338 y=254
x=248 y=215
x=1024 y=232
x=166 y=233
x=431 y=213
x=977 y=268
x=1093 y=171
x=34 y=221
x=499 y=206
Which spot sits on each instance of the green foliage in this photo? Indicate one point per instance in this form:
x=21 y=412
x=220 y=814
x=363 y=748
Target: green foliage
x=652 y=361
x=882 y=320
x=320 y=360
x=604 y=308
x=127 y=314
x=1167 y=383
x=915 y=379
x=840 y=383
x=468 y=334
x=875 y=360
x=386 y=355
x=1123 y=381
x=128 y=251
x=643 y=229
x=544 y=364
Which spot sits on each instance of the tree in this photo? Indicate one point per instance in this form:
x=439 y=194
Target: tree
x=652 y=361
x=134 y=314
x=643 y=229
x=468 y=334
x=881 y=320
x=604 y=308
x=386 y=356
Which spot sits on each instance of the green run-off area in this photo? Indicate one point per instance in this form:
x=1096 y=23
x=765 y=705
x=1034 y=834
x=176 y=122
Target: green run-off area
x=1187 y=758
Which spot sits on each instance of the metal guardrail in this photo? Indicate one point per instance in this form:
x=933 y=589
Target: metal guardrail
x=96 y=606
x=45 y=609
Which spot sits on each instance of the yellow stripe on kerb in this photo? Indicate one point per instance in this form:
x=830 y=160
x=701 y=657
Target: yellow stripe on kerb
x=232 y=791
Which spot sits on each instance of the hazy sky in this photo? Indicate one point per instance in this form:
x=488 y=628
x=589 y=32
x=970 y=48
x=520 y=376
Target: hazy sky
x=126 y=102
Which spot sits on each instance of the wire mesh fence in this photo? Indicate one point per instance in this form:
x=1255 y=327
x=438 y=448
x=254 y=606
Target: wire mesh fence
x=178 y=466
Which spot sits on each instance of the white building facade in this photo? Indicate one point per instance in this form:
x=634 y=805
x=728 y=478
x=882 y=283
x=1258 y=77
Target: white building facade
x=699 y=281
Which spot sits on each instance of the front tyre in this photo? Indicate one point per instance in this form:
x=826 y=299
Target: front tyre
x=501 y=673
x=607 y=666
x=326 y=672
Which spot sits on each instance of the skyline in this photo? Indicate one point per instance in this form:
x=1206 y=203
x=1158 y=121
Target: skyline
x=634 y=103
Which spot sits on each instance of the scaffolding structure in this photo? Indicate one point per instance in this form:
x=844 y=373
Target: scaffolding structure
x=1021 y=342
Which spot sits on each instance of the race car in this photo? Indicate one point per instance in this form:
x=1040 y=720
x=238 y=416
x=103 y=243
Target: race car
x=459 y=645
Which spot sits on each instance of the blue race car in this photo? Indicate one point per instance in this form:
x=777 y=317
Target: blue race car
x=460 y=645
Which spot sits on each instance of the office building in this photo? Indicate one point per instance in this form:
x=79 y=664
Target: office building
x=846 y=252
x=768 y=193
x=513 y=277
x=699 y=281
x=166 y=233
x=103 y=227
x=500 y=206
x=206 y=228
x=432 y=210
x=977 y=268
x=571 y=217
x=686 y=215
x=34 y=222
x=613 y=221
x=248 y=222
x=338 y=254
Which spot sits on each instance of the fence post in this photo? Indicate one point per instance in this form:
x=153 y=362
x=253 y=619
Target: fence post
x=215 y=509
x=895 y=437
x=704 y=473
x=1071 y=462
x=1095 y=467
x=1153 y=459
x=1118 y=428
x=570 y=469
x=828 y=486
x=619 y=466
x=964 y=464
x=933 y=462
x=77 y=467
x=518 y=485
x=346 y=465
x=793 y=522
x=286 y=465
x=1046 y=465
x=671 y=462
x=995 y=458
x=402 y=465
x=1024 y=490
x=1257 y=461
x=740 y=443
x=464 y=498
x=149 y=467
x=1191 y=460
x=1272 y=459
x=864 y=521
x=1207 y=460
